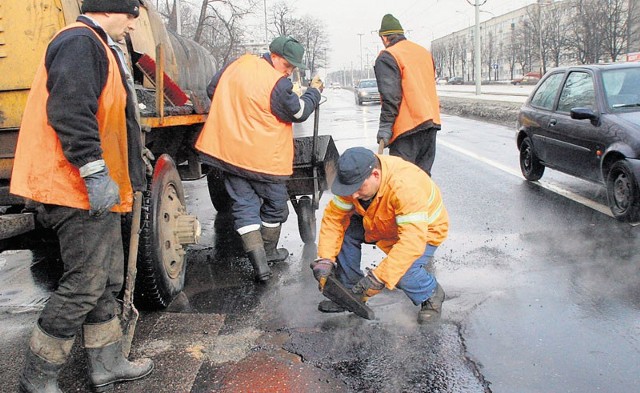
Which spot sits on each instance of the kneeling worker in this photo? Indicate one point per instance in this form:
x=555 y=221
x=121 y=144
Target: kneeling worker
x=392 y=203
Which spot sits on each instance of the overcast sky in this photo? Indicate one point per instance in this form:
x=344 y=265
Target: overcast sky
x=422 y=20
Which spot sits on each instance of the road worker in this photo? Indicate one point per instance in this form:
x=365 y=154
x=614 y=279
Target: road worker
x=389 y=202
x=249 y=136
x=78 y=160
x=410 y=110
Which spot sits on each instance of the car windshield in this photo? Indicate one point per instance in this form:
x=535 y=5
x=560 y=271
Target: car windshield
x=622 y=87
x=371 y=83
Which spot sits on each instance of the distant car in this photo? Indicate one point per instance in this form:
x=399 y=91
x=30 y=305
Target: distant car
x=441 y=81
x=585 y=121
x=335 y=85
x=455 y=80
x=367 y=91
x=530 y=78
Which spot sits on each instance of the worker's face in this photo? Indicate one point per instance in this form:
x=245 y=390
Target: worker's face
x=282 y=65
x=370 y=187
x=385 y=41
x=119 y=25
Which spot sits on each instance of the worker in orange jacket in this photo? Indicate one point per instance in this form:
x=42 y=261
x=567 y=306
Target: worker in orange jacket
x=78 y=161
x=249 y=136
x=410 y=110
x=389 y=202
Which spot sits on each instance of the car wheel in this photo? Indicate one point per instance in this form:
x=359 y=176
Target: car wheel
x=623 y=193
x=530 y=165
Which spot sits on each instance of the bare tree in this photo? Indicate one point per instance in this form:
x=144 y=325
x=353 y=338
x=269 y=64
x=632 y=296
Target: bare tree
x=282 y=19
x=587 y=28
x=439 y=54
x=489 y=52
x=219 y=27
x=615 y=30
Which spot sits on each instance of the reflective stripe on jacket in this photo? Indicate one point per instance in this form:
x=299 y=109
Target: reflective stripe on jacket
x=241 y=129
x=419 y=99
x=405 y=215
x=42 y=173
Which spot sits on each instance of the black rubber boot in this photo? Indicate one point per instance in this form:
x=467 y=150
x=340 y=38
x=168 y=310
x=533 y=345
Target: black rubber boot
x=254 y=247
x=46 y=356
x=432 y=307
x=271 y=236
x=107 y=364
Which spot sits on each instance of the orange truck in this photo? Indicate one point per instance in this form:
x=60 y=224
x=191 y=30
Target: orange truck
x=26 y=27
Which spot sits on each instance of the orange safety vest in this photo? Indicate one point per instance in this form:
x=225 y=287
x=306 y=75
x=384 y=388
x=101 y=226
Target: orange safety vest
x=42 y=173
x=241 y=129
x=405 y=215
x=419 y=99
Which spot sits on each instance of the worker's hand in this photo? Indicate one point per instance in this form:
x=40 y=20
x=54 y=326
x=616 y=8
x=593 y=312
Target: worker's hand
x=368 y=286
x=103 y=192
x=322 y=269
x=148 y=159
x=317 y=83
x=384 y=134
x=297 y=89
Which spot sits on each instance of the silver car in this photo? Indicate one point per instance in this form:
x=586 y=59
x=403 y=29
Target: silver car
x=367 y=91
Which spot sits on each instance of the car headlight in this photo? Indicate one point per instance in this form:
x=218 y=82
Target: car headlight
x=363 y=93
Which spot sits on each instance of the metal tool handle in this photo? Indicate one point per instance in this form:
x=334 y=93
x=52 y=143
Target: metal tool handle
x=133 y=253
x=380 y=146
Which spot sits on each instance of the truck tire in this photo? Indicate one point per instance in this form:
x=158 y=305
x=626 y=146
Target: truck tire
x=218 y=193
x=161 y=257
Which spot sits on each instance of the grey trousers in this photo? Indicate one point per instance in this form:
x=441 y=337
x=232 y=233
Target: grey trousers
x=93 y=276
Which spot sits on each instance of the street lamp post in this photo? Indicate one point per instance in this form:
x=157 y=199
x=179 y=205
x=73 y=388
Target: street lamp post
x=266 y=35
x=476 y=44
x=360 y=34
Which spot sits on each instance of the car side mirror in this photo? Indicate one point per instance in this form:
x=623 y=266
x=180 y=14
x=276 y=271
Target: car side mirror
x=585 y=114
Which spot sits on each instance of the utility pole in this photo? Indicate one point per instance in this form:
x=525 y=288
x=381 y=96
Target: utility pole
x=178 y=17
x=360 y=34
x=476 y=44
x=266 y=35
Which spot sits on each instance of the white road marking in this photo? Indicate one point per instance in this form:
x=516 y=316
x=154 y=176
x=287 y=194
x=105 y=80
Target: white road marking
x=544 y=184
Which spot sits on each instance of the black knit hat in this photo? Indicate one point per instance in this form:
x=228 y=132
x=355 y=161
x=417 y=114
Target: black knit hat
x=116 y=6
x=390 y=25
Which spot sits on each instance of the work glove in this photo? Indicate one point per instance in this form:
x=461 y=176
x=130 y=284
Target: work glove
x=102 y=190
x=148 y=159
x=317 y=83
x=297 y=89
x=368 y=286
x=384 y=134
x=322 y=269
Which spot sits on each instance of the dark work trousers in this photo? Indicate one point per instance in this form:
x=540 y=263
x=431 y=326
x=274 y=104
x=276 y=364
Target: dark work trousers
x=254 y=202
x=418 y=148
x=91 y=250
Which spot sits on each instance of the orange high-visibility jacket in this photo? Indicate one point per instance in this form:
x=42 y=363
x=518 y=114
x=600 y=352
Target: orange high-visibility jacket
x=40 y=170
x=241 y=130
x=419 y=99
x=404 y=216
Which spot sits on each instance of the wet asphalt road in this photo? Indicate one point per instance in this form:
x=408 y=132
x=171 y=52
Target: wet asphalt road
x=543 y=293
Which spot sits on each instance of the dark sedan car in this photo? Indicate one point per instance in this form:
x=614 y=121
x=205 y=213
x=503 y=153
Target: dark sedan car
x=585 y=121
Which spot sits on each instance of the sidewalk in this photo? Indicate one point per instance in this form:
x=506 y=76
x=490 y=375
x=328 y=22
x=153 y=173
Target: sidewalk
x=507 y=93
